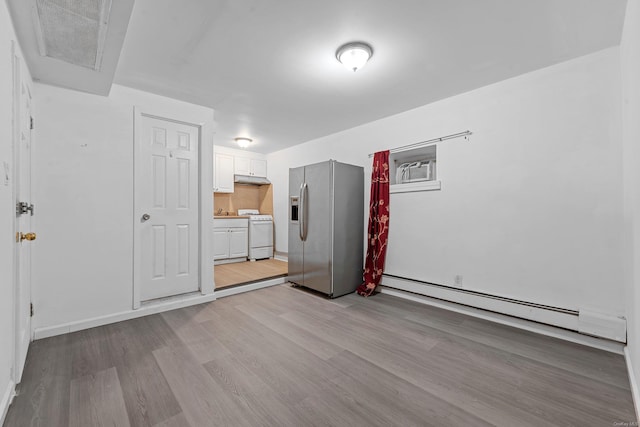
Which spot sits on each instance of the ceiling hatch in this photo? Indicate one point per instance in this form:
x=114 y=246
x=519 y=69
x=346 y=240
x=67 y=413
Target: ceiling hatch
x=73 y=31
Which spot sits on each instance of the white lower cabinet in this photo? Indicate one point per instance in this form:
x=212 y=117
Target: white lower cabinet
x=230 y=239
x=220 y=243
x=238 y=242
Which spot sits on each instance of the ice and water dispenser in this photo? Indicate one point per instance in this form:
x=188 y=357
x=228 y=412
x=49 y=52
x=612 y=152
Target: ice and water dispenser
x=293 y=209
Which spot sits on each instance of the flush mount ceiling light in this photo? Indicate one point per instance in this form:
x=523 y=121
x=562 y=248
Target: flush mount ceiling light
x=243 y=142
x=354 y=55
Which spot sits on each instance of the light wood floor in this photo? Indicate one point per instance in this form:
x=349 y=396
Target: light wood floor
x=281 y=356
x=245 y=272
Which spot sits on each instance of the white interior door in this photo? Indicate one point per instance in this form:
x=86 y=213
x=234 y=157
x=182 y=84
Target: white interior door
x=23 y=222
x=167 y=220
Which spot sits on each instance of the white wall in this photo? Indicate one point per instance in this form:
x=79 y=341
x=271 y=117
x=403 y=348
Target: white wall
x=83 y=180
x=630 y=59
x=530 y=208
x=238 y=152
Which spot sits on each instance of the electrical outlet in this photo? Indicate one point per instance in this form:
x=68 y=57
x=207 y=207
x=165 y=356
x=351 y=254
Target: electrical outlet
x=458 y=280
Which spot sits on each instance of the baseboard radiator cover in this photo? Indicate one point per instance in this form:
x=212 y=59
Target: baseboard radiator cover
x=583 y=321
x=602 y=325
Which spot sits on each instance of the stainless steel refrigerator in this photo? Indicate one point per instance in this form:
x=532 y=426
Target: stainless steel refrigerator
x=326 y=226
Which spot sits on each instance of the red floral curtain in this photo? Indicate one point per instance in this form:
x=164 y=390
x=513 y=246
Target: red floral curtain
x=378 y=229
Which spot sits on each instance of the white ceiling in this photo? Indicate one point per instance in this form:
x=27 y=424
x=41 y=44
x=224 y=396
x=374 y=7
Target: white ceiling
x=268 y=67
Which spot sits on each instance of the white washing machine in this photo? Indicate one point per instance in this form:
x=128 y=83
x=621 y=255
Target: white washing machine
x=260 y=234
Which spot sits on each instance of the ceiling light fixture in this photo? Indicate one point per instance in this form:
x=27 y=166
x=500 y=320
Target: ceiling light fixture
x=243 y=142
x=354 y=55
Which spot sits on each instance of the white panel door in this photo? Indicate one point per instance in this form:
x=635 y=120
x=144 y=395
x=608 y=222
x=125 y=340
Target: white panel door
x=167 y=208
x=220 y=243
x=238 y=242
x=24 y=217
x=223 y=173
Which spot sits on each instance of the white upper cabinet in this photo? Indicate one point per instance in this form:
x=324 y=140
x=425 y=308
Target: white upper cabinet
x=223 y=173
x=229 y=162
x=258 y=167
x=242 y=165
x=250 y=166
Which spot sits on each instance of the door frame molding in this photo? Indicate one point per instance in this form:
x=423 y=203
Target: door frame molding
x=204 y=123
x=14 y=196
x=19 y=70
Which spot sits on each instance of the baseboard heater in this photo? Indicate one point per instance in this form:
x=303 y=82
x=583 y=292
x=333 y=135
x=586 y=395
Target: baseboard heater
x=583 y=321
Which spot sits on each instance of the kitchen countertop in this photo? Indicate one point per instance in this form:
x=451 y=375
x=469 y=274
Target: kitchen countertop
x=230 y=216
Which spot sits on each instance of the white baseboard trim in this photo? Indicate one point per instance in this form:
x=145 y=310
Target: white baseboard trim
x=229 y=261
x=144 y=310
x=7 y=398
x=151 y=308
x=227 y=292
x=281 y=256
x=515 y=322
x=633 y=383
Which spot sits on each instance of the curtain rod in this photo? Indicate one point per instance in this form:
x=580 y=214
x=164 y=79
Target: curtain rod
x=428 y=142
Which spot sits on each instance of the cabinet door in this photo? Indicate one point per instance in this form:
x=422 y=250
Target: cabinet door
x=238 y=242
x=220 y=243
x=223 y=173
x=241 y=166
x=259 y=167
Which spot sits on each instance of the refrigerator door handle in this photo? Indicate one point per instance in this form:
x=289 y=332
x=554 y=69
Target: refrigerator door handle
x=303 y=211
x=305 y=226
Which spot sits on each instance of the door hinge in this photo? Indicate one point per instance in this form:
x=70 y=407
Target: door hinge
x=31 y=309
x=31 y=123
x=23 y=208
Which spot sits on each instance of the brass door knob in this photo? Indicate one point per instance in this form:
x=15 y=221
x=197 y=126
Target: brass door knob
x=27 y=236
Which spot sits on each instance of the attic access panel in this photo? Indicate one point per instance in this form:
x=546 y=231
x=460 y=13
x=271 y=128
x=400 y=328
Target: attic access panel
x=72 y=31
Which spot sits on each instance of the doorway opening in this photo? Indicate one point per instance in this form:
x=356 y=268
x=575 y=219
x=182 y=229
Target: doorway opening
x=244 y=234
x=247 y=272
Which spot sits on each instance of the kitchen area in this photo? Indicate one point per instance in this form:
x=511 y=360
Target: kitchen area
x=243 y=220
